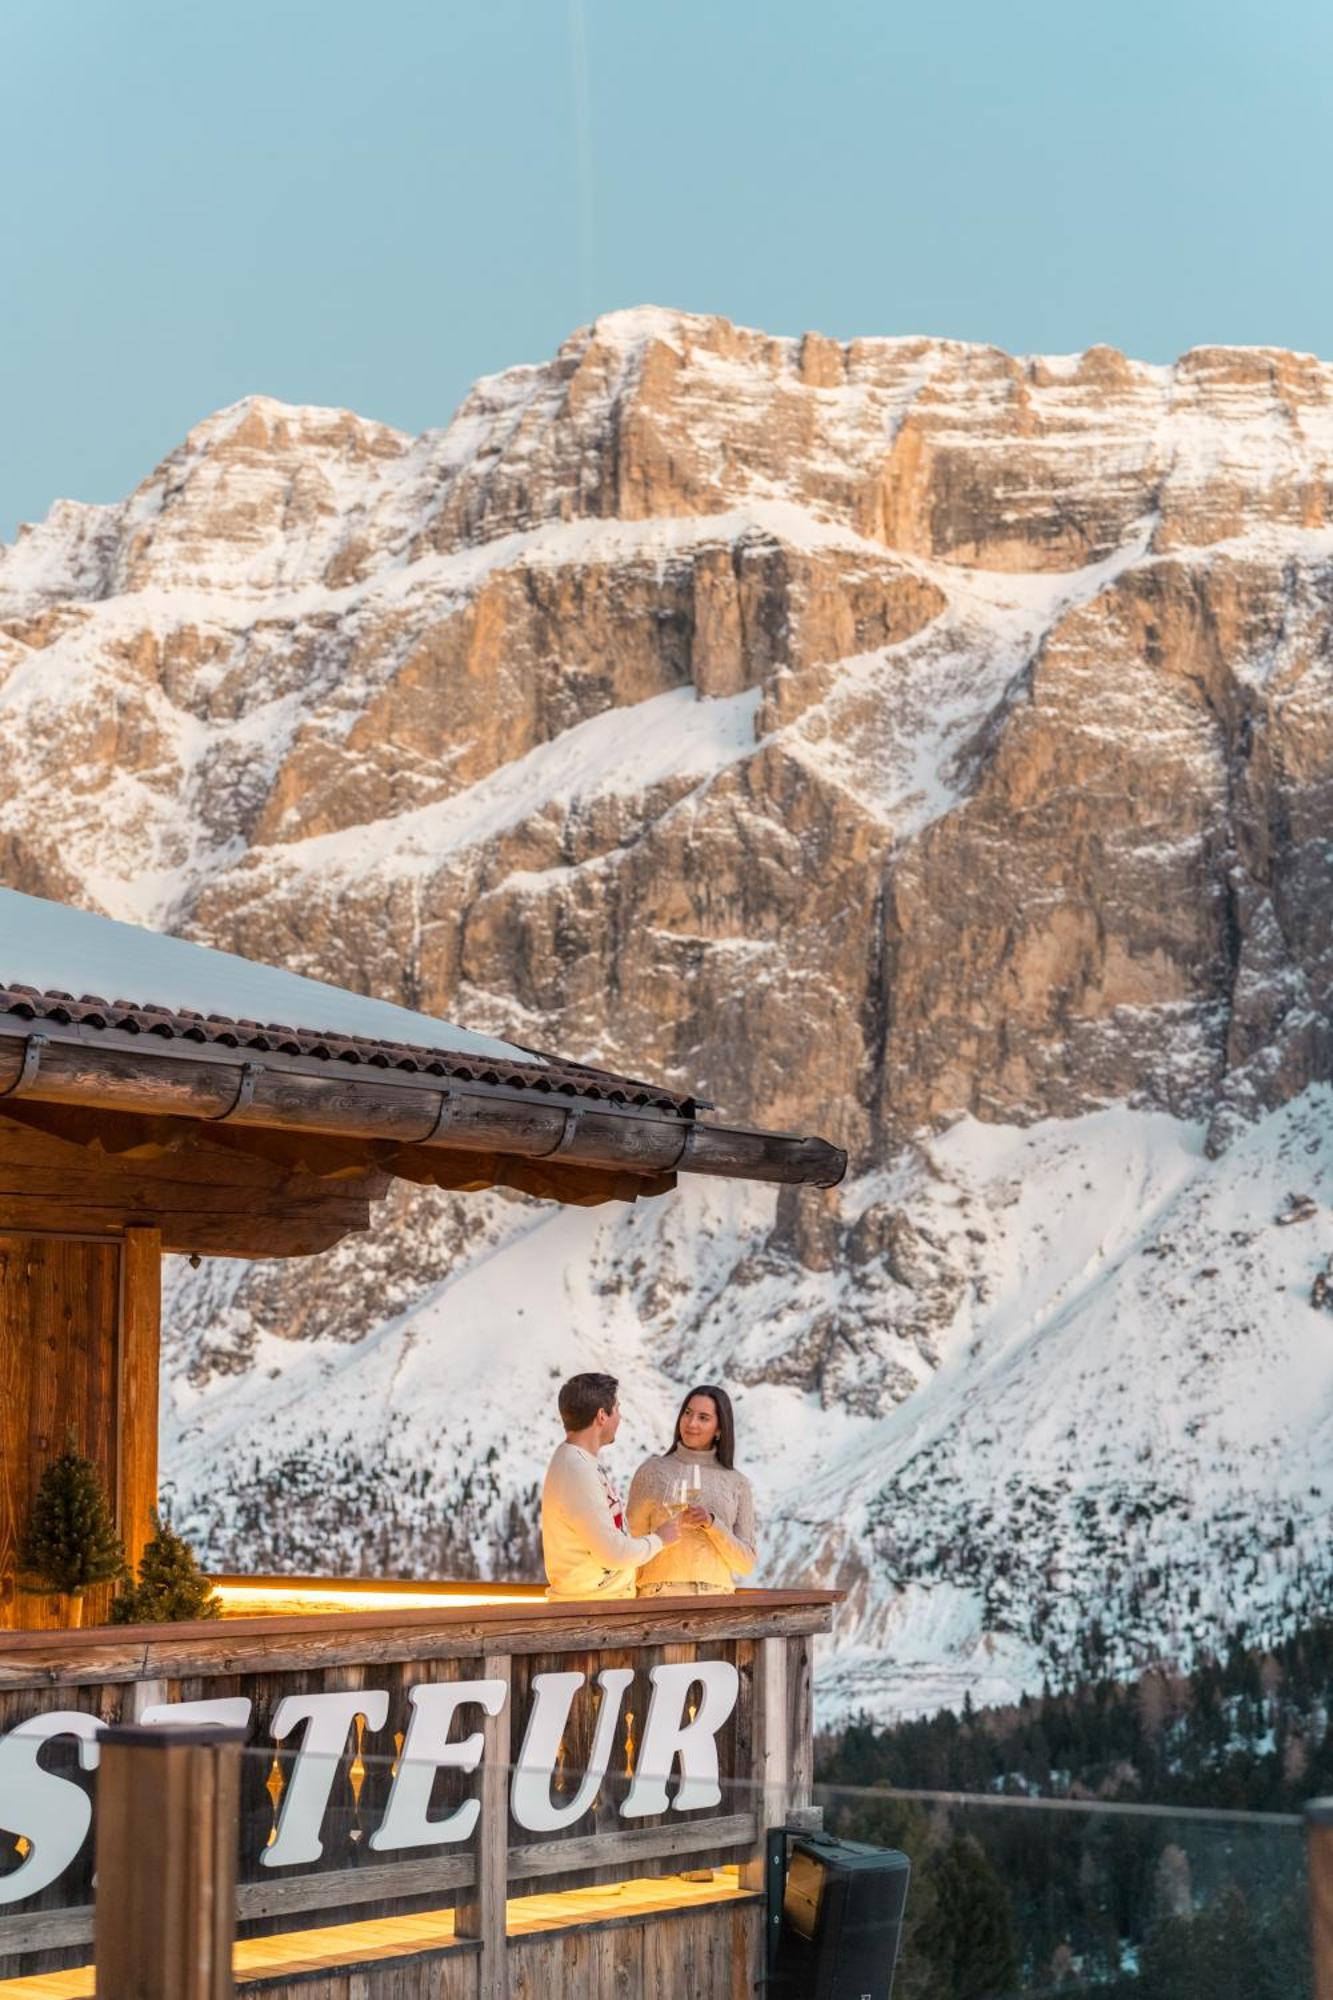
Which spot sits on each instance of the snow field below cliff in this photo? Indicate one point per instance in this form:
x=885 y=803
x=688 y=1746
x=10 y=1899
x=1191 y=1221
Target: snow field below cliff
x=1133 y=1399
x=1127 y=1450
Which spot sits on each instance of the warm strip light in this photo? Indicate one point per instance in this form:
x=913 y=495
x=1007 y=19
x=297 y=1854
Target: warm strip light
x=330 y=1947
x=643 y=1896
x=240 y=1599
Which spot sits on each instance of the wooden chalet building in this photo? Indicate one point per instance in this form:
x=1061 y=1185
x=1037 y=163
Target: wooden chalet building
x=229 y=1109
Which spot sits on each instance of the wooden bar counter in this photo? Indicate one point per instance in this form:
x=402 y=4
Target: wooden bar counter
x=416 y=1819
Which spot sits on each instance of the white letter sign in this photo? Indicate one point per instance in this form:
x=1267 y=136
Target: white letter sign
x=328 y=1718
x=552 y=1700
x=666 y=1736
x=55 y=1814
x=426 y=1751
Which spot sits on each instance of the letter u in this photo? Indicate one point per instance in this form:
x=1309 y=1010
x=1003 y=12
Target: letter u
x=552 y=1703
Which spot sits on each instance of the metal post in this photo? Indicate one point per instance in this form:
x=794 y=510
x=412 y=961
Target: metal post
x=168 y=1830
x=1319 y=1862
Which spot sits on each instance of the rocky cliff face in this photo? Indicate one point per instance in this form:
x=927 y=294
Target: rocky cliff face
x=872 y=736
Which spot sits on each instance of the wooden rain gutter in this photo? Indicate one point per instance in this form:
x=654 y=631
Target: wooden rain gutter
x=110 y=1070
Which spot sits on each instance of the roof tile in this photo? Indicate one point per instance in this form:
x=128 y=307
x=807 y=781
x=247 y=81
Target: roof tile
x=148 y=1017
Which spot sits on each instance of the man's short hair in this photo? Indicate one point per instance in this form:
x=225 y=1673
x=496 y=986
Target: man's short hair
x=583 y=1396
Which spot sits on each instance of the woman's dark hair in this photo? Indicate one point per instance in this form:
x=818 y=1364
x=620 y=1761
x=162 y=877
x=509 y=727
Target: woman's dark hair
x=583 y=1396
x=725 y=1443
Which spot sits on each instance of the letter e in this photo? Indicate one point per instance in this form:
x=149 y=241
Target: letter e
x=407 y=1822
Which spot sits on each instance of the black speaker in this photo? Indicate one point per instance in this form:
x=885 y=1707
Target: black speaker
x=837 y=1931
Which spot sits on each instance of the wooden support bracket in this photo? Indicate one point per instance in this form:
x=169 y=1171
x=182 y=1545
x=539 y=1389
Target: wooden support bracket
x=27 y=1072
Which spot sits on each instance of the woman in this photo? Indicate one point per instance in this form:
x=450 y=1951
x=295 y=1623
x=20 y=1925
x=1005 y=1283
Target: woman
x=718 y=1542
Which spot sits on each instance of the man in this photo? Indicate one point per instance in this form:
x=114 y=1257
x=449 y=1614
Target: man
x=588 y=1553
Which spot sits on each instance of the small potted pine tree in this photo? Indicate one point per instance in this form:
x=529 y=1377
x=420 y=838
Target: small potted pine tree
x=171 y=1586
x=70 y=1545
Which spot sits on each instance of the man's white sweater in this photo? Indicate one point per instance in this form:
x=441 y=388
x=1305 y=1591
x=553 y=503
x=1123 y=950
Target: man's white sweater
x=587 y=1552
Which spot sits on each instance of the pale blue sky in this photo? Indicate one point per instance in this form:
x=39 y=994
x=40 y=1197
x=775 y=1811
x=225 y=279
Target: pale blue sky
x=370 y=202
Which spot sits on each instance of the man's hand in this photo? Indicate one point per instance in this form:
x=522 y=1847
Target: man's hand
x=668 y=1532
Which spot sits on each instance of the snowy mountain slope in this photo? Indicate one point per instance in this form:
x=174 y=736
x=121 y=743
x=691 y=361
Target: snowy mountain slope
x=895 y=739
x=1113 y=1446
x=1127 y=1449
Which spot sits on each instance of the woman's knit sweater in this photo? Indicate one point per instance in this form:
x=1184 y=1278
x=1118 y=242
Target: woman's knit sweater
x=713 y=1556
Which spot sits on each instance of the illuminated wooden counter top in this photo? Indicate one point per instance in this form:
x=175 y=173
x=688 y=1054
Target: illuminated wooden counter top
x=319 y=1623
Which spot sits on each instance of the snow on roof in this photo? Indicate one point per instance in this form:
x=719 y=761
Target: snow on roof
x=57 y=949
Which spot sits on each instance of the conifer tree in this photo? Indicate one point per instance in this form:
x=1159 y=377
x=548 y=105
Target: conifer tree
x=70 y=1544
x=971 y=1935
x=171 y=1585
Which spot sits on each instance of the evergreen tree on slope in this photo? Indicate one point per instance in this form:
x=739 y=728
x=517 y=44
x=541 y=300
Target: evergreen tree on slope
x=971 y=1935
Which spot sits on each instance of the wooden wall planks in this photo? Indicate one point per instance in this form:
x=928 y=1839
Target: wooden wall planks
x=707 y=1953
x=449 y=1975
x=201 y=1193
x=693 y=1954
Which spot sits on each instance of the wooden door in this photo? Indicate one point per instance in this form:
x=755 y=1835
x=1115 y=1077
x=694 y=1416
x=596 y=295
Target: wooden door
x=78 y=1358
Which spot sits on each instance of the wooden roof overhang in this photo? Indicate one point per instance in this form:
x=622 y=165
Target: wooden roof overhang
x=240 y=1140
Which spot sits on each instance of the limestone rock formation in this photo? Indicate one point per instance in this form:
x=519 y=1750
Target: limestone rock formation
x=869 y=735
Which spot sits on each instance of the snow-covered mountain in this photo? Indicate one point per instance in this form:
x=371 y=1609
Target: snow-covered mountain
x=897 y=740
